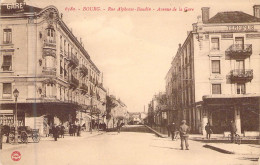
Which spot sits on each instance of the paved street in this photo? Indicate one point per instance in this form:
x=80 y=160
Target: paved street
x=126 y=148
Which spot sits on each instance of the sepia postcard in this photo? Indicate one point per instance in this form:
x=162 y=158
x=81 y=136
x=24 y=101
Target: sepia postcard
x=129 y=82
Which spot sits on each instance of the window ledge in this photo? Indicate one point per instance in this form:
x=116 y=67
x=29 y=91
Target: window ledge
x=216 y=77
x=6 y=71
x=5 y=44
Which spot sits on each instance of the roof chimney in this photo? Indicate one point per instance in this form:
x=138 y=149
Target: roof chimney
x=205 y=14
x=256 y=11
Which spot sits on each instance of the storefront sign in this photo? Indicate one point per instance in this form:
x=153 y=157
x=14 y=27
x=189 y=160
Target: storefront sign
x=15 y=6
x=241 y=28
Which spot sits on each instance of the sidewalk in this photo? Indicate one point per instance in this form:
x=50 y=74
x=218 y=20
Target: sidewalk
x=7 y=146
x=220 y=144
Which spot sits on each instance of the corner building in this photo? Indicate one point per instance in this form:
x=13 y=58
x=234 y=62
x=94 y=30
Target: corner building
x=40 y=56
x=215 y=74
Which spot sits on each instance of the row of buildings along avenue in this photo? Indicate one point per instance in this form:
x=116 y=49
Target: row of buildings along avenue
x=215 y=75
x=54 y=74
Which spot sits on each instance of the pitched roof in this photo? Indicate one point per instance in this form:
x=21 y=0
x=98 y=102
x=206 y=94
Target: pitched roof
x=233 y=17
x=25 y=9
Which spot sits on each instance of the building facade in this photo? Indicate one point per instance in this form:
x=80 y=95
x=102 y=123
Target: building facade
x=214 y=76
x=54 y=74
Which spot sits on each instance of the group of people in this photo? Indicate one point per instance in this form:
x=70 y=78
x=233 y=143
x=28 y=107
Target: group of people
x=183 y=131
x=57 y=131
x=74 y=129
x=232 y=129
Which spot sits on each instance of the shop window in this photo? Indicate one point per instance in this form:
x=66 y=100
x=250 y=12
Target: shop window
x=241 y=89
x=7 y=90
x=215 y=65
x=7 y=36
x=216 y=88
x=214 y=43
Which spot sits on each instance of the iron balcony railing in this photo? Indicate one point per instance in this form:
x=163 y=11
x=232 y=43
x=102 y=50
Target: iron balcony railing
x=47 y=44
x=49 y=71
x=84 y=87
x=239 y=50
x=242 y=74
x=73 y=60
x=84 y=70
x=74 y=82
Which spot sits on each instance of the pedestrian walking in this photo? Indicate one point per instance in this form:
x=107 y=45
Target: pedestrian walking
x=169 y=129
x=233 y=130
x=78 y=130
x=172 y=130
x=55 y=132
x=74 y=129
x=70 y=129
x=208 y=130
x=118 y=126
x=184 y=134
x=62 y=131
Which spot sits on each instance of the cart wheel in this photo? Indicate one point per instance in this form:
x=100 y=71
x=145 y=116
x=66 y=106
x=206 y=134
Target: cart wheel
x=24 y=137
x=36 y=138
x=11 y=138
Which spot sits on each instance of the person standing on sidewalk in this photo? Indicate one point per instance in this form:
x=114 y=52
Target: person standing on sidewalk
x=173 y=129
x=233 y=130
x=184 y=134
x=169 y=129
x=55 y=132
x=118 y=126
x=208 y=130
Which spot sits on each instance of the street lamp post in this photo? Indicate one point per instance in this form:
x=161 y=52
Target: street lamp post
x=16 y=94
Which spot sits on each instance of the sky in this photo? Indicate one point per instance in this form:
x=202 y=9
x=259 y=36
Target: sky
x=134 y=49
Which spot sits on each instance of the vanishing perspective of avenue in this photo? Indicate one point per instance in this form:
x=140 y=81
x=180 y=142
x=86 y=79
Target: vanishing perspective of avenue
x=56 y=108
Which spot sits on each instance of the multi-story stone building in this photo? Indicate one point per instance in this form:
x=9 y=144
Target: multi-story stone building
x=42 y=58
x=215 y=74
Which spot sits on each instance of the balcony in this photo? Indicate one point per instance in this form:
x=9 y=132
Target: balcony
x=84 y=88
x=49 y=44
x=241 y=75
x=239 y=50
x=83 y=70
x=49 y=52
x=74 y=83
x=49 y=71
x=73 y=61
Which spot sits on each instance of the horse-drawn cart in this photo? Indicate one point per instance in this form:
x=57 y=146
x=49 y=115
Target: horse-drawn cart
x=24 y=133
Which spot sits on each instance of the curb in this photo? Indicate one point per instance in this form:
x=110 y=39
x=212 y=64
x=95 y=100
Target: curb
x=218 y=149
x=157 y=133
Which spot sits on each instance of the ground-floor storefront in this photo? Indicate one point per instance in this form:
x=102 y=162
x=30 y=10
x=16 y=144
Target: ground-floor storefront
x=40 y=116
x=220 y=111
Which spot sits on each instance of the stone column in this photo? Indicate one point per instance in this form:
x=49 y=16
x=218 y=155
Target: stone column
x=237 y=119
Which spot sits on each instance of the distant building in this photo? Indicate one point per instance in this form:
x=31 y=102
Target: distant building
x=215 y=74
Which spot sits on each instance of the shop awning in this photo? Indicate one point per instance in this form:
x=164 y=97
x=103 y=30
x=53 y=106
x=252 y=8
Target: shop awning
x=220 y=100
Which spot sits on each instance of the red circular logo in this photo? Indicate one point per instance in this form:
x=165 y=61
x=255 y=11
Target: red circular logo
x=16 y=156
